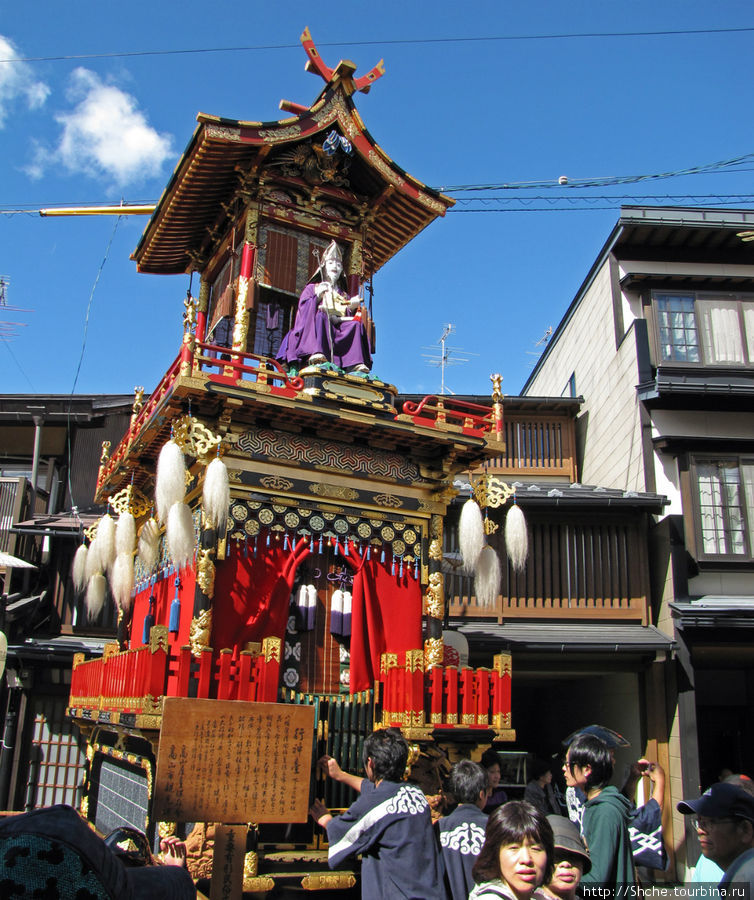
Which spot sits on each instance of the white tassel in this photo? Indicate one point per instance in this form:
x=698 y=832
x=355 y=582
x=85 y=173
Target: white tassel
x=171 y=479
x=470 y=534
x=106 y=541
x=516 y=537
x=92 y=564
x=96 y=592
x=180 y=534
x=122 y=580
x=311 y=606
x=125 y=534
x=149 y=544
x=78 y=569
x=216 y=495
x=487 y=580
x=336 y=612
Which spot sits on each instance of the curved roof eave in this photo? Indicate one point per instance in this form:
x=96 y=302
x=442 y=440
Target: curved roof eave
x=206 y=176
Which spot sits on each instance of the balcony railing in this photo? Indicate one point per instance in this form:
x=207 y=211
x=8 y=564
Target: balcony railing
x=535 y=445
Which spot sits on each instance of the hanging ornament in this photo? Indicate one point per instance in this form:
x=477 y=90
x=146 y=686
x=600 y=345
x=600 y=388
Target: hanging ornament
x=285 y=541
x=92 y=563
x=320 y=544
x=487 y=580
x=78 y=569
x=125 y=534
x=170 y=487
x=216 y=495
x=180 y=534
x=336 y=612
x=106 y=541
x=311 y=606
x=346 y=614
x=96 y=591
x=175 y=609
x=470 y=534
x=516 y=537
x=148 y=620
x=149 y=544
x=122 y=580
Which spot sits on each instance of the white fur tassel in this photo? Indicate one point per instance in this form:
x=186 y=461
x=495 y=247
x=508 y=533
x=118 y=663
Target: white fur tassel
x=216 y=495
x=96 y=592
x=180 y=534
x=487 y=580
x=92 y=564
x=78 y=570
x=122 y=580
x=516 y=538
x=171 y=479
x=125 y=534
x=470 y=534
x=149 y=544
x=106 y=541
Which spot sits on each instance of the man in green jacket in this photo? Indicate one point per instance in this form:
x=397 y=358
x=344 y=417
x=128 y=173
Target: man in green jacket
x=589 y=765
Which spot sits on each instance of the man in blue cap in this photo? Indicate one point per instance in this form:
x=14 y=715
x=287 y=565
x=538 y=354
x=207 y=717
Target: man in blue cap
x=725 y=826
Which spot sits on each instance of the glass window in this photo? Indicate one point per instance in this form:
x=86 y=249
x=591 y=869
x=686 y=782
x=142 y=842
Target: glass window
x=677 y=324
x=725 y=497
x=705 y=329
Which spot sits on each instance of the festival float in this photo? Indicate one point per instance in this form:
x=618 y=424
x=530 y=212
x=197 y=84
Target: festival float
x=274 y=534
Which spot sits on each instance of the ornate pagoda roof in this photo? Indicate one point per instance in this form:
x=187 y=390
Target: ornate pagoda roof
x=226 y=157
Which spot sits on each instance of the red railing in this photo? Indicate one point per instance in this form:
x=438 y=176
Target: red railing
x=446 y=411
x=445 y=696
x=134 y=681
x=237 y=365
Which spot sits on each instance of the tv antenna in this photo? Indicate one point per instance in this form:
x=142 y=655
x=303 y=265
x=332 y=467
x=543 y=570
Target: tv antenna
x=8 y=329
x=449 y=356
x=541 y=342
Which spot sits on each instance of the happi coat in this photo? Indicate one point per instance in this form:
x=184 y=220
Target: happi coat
x=390 y=825
x=461 y=839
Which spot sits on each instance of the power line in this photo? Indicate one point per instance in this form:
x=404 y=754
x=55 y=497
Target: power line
x=670 y=32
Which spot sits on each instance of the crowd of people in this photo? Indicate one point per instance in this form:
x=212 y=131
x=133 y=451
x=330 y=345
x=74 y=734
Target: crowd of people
x=525 y=849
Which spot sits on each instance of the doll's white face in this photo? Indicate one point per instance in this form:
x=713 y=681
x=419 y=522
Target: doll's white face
x=333 y=269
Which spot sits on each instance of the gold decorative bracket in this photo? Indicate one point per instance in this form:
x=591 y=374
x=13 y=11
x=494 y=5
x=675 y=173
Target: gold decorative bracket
x=194 y=438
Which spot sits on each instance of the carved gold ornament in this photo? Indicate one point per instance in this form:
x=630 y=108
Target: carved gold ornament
x=414 y=660
x=105 y=455
x=205 y=573
x=492 y=492
x=166 y=829
x=158 y=638
x=199 y=632
x=433 y=653
x=194 y=438
x=334 y=490
x=138 y=399
x=271 y=648
x=335 y=881
x=131 y=499
x=276 y=483
x=189 y=314
x=250 y=866
x=490 y=527
x=389 y=500
x=434 y=599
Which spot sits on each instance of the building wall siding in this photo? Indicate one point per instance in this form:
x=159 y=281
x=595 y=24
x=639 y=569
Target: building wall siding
x=609 y=428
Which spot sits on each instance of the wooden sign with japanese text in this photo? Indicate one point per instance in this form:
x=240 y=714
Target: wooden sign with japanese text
x=233 y=761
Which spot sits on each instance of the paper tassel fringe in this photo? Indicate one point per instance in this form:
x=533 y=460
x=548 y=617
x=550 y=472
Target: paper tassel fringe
x=171 y=479
x=96 y=592
x=216 y=495
x=149 y=544
x=470 y=534
x=122 y=580
x=487 y=581
x=516 y=537
x=78 y=569
x=180 y=534
x=125 y=534
x=106 y=541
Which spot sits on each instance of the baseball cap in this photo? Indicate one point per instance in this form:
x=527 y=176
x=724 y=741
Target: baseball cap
x=566 y=836
x=720 y=801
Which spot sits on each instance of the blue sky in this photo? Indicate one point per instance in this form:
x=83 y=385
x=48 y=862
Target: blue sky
x=451 y=113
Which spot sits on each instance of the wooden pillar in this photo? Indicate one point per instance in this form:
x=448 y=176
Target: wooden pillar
x=244 y=298
x=434 y=598
x=200 y=633
x=202 y=310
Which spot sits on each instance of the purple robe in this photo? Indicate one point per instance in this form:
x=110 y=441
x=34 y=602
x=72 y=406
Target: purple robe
x=345 y=344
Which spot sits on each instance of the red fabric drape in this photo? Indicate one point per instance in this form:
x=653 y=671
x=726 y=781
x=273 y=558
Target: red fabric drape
x=386 y=617
x=252 y=595
x=164 y=591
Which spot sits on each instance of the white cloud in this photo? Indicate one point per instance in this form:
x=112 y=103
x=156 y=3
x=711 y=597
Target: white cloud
x=17 y=82
x=105 y=134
